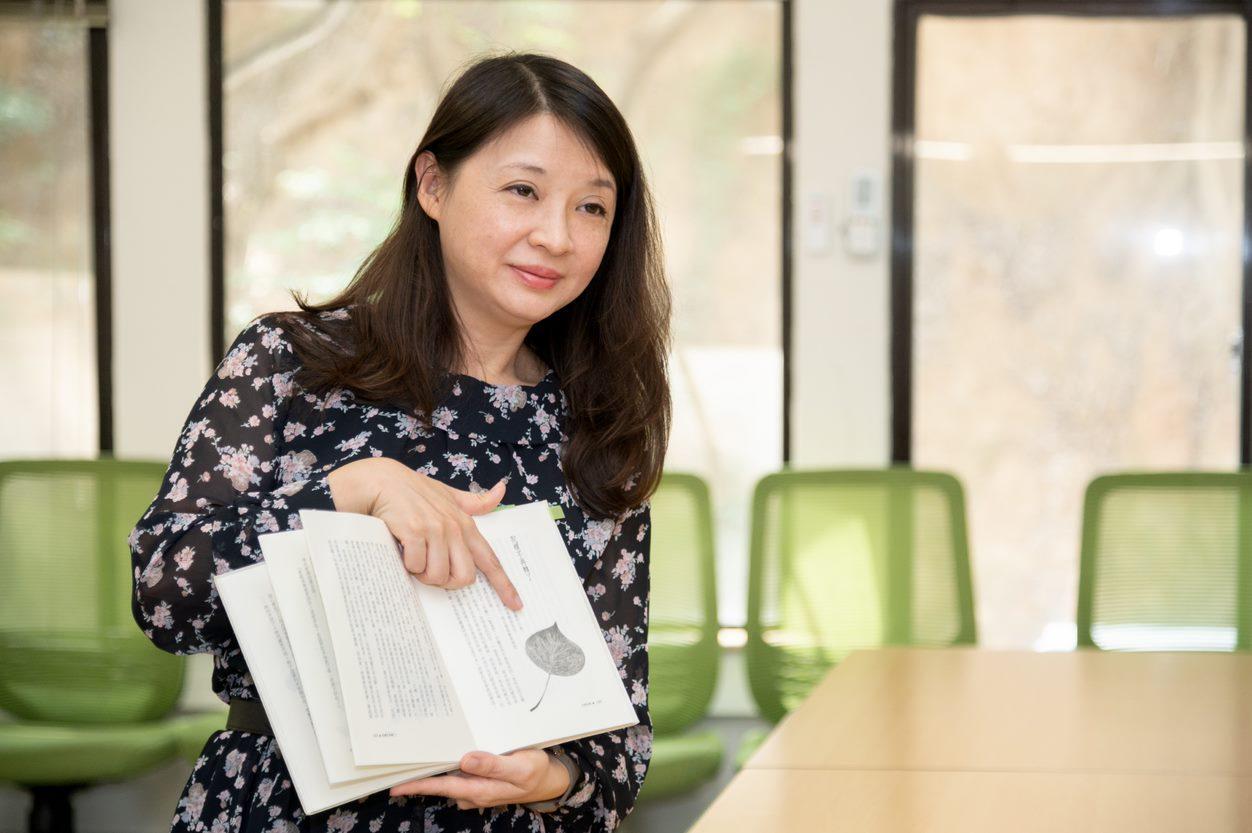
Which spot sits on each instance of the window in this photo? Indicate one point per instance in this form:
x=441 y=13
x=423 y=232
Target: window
x=1078 y=278
x=311 y=186
x=47 y=285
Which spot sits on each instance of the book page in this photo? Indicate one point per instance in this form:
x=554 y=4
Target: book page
x=535 y=676
x=398 y=697
x=295 y=587
x=252 y=608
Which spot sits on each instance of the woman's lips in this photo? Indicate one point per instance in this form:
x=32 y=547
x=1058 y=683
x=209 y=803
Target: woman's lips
x=532 y=280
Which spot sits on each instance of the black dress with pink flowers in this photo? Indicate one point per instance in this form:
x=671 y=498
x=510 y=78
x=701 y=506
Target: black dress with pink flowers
x=255 y=450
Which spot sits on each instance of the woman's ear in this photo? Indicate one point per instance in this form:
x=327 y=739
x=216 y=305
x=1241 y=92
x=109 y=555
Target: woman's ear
x=430 y=184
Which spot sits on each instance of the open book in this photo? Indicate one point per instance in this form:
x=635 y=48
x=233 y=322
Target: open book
x=371 y=678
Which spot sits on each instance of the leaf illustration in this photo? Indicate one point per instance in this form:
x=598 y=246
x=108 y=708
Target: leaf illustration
x=555 y=653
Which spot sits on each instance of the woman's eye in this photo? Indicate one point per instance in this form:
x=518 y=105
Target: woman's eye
x=523 y=190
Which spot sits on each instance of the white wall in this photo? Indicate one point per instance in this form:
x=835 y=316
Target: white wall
x=158 y=135
x=840 y=348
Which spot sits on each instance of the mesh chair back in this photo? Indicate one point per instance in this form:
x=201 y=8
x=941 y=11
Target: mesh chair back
x=70 y=650
x=1166 y=562
x=842 y=560
x=682 y=616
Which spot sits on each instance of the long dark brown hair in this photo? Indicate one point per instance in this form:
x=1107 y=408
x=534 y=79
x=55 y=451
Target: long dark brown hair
x=608 y=346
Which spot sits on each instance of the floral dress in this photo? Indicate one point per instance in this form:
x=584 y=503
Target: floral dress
x=255 y=450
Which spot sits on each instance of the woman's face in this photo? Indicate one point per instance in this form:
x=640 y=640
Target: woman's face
x=523 y=225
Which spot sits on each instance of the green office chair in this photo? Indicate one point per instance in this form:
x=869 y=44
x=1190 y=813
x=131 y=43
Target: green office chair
x=841 y=560
x=88 y=692
x=1166 y=562
x=682 y=638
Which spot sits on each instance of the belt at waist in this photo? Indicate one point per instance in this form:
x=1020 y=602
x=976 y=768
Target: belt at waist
x=248 y=716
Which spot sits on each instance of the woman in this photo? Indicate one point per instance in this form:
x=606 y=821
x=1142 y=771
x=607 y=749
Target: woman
x=505 y=343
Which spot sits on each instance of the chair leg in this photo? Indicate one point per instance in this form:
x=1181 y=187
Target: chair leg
x=51 y=810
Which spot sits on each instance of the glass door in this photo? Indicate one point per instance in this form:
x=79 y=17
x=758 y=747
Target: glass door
x=1077 y=277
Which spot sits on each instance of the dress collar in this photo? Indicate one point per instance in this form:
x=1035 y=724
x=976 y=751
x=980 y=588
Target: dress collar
x=530 y=415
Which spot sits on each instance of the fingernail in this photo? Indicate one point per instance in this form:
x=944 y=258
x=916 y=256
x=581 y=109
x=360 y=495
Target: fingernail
x=517 y=600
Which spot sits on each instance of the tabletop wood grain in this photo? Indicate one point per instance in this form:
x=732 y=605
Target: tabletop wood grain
x=892 y=801
x=971 y=709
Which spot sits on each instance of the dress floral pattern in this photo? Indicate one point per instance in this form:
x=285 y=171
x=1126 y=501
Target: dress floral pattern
x=255 y=450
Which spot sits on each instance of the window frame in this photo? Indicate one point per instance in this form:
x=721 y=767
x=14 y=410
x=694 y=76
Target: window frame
x=102 y=262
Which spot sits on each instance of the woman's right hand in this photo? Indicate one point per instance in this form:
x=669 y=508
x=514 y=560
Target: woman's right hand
x=431 y=520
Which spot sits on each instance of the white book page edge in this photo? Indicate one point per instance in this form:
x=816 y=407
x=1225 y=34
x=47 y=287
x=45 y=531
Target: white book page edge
x=388 y=660
x=291 y=574
x=250 y=605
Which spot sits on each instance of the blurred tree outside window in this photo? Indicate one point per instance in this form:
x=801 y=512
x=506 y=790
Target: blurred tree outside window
x=47 y=288
x=1078 y=279
x=324 y=103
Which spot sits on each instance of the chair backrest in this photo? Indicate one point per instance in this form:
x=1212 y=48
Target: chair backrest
x=682 y=616
x=848 y=559
x=70 y=650
x=1166 y=562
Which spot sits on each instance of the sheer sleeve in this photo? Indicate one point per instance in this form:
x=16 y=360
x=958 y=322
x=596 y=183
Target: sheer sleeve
x=614 y=763
x=227 y=483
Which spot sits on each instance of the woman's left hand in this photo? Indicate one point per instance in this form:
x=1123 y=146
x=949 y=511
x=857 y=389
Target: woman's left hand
x=486 y=780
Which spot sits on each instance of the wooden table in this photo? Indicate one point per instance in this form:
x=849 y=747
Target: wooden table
x=962 y=739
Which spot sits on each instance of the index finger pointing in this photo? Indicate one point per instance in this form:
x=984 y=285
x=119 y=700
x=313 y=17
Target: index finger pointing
x=485 y=559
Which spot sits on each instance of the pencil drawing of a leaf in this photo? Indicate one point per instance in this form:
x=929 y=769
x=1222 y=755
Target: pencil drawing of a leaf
x=555 y=653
